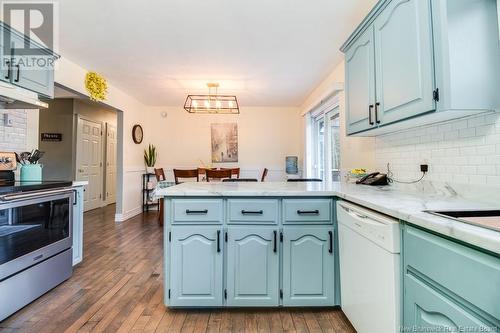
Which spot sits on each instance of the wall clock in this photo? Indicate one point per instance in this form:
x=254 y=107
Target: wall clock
x=137 y=134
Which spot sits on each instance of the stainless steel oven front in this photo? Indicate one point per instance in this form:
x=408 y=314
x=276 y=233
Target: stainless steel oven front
x=34 y=226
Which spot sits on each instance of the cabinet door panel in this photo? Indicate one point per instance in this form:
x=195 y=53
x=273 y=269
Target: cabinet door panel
x=252 y=267
x=360 y=83
x=196 y=268
x=404 y=60
x=78 y=225
x=308 y=266
x=426 y=308
x=34 y=72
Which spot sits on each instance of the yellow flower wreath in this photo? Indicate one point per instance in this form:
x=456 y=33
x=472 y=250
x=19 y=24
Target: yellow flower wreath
x=96 y=86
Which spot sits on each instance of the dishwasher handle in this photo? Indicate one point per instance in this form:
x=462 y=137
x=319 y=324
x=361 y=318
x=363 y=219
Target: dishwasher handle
x=361 y=218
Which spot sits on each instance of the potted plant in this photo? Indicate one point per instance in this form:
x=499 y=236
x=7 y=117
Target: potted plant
x=150 y=158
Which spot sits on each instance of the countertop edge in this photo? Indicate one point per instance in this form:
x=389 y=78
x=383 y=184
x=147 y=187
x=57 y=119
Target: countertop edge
x=476 y=236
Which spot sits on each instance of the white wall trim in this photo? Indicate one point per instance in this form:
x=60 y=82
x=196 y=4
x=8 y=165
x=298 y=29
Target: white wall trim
x=325 y=98
x=128 y=215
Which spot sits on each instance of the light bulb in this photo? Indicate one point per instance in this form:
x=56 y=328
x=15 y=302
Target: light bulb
x=195 y=104
x=218 y=104
x=207 y=104
x=230 y=104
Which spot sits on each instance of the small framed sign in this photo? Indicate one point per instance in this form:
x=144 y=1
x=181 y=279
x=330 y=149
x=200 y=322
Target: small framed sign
x=54 y=137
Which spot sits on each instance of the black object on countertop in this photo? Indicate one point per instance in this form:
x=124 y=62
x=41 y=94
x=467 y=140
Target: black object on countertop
x=9 y=186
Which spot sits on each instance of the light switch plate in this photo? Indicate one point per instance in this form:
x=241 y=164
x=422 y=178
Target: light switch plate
x=7 y=120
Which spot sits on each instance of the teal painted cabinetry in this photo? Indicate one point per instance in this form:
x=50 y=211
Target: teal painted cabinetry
x=448 y=284
x=196 y=274
x=249 y=252
x=308 y=266
x=360 y=83
x=77 y=225
x=408 y=64
x=252 y=266
x=34 y=71
x=404 y=61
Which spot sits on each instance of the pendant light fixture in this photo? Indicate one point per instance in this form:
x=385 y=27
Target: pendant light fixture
x=212 y=103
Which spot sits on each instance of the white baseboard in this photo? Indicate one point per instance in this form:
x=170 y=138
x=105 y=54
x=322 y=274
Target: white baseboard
x=128 y=215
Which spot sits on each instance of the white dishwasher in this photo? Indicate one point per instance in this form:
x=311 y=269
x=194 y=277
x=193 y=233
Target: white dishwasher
x=369 y=247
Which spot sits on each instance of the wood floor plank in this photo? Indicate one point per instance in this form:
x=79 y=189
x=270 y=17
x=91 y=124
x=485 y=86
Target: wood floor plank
x=119 y=288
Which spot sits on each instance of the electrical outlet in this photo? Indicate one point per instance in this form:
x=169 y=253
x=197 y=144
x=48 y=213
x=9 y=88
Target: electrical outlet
x=7 y=120
x=424 y=167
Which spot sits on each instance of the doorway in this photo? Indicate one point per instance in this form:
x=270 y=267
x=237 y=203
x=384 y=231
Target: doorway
x=110 y=179
x=89 y=161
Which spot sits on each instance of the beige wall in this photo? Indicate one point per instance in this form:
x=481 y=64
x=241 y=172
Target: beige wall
x=72 y=75
x=265 y=136
x=355 y=152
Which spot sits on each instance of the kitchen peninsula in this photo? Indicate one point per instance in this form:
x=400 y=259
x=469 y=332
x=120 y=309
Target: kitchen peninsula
x=276 y=244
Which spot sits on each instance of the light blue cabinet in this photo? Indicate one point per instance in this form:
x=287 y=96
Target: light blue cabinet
x=77 y=225
x=426 y=308
x=308 y=266
x=249 y=252
x=252 y=266
x=196 y=274
x=360 y=83
x=408 y=64
x=448 y=284
x=404 y=61
x=34 y=71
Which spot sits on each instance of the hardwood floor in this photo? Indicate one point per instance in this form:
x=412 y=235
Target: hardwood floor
x=118 y=288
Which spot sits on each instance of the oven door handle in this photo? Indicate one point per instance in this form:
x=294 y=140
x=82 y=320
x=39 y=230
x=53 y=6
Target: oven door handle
x=33 y=194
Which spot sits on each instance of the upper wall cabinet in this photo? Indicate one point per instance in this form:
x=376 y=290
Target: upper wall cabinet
x=360 y=82
x=416 y=62
x=25 y=63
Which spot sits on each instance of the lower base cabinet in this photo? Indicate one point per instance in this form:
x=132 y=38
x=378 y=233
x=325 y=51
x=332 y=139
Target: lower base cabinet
x=252 y=266
x=308 y=266
x=448 y=286
x=196 y=266
x=78 y=225
x=244 y=256
x=426 y=308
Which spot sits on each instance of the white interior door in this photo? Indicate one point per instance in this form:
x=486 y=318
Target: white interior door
x=110 y=163
x=89 y=161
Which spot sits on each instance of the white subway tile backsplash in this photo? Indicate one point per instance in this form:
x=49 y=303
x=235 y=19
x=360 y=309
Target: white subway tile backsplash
x=461 y=151
x=13 y=138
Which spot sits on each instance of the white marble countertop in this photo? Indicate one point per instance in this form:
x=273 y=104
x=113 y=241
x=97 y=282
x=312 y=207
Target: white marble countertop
x=407 y=206
x=77 y=183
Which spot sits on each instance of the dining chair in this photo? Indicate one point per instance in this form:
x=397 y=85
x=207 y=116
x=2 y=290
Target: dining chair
x=236 y=180
x=160 y=176
x=217 y=174
x=234 y=171
x=296 y=180
x=191 y=173
x=264 y=174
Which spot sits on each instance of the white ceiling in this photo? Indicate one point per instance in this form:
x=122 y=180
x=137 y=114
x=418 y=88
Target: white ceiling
x=267 y=52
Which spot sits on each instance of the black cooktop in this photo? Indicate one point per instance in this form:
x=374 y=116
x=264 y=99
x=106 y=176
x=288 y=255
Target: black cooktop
x=7 y=187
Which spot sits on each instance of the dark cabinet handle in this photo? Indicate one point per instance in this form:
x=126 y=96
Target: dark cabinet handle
x=370 y=108
x=18 y=73
x=275 y=249
x=8 y=69
x=252 y=212
x=330 y=237
x=376 y=113
x=308 y=212
x=218 y=240
x=199 y=212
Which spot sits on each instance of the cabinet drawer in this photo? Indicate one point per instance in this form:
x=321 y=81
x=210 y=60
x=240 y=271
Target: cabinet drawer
x=197 y=210
x=468 y=273
x=307 y=210
x=426 y=308
x=258 y=210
